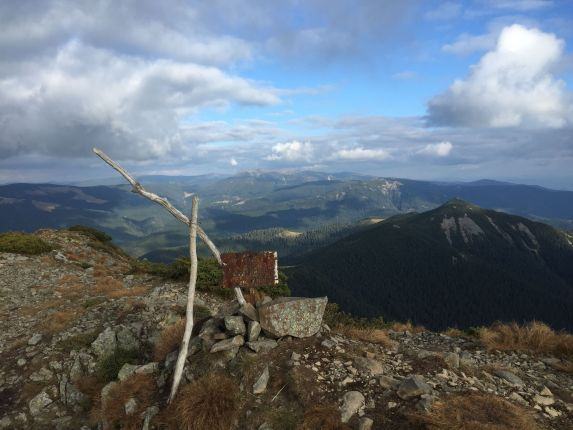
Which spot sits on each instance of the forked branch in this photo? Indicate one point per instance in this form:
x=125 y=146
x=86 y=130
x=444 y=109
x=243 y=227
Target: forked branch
x=138 y=188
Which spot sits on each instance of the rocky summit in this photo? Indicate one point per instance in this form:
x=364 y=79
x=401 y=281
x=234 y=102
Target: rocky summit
x=87 y=342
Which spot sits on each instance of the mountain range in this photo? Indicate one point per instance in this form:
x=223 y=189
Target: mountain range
x=274 y=204
x=454 y=266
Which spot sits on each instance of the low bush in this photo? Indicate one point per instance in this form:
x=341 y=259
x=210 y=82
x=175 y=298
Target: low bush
x=23 y=243
x=324 y=418
x=169 y=340
x=108 y=368
x=91 y=232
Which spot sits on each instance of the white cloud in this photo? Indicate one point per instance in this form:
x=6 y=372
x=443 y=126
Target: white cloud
x=467 y=43
x=362 y=154
x=511 y=86
x=132 y=107
x=441 y=149
x=233 y=162
x=292 y=151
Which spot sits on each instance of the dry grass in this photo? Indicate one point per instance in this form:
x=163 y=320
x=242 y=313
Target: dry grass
x=211 y=402
x=169 y=340
x=59 y=321
x=106 y=285
x=139 y=387
x=533 y=337
x=372 y=335
x=476 y=412
x=566 y=366
x=322 y=417
x=407 y=326
x=454 y=332
x=28 y=311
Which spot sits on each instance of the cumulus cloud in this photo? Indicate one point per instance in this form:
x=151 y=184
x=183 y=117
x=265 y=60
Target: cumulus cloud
x=133 y=107
x=292 y=151
x=361 y=154
x=511 y=86
x=441 y=149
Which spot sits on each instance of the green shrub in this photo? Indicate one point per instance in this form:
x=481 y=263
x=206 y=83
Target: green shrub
x=91 y=232
x=333 y=317
x=279 y=290
x=23 y=243
x=108 y=368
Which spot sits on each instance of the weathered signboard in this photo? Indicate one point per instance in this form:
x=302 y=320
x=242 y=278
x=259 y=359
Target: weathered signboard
x=250 y=269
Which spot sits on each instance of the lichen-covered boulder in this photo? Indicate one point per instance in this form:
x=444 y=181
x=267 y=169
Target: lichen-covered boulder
x=292 y=316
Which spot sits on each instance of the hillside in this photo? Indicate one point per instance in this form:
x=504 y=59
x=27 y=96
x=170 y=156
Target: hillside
x=87 y=342
x=457 y=265
x=239 y=205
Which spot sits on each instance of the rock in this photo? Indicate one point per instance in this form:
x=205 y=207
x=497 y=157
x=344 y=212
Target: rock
x=546 y=392
x=392 y=405
x=292 y=316
x=235 y=325
x=388 y=382
x=249 y=311
x=509 y=377
x=425 y=403
x=69 y=394
x=254 y=330
x=126 y=339
x=21 y=362
x=369 y=366
x=261 y=385
x=126 y=371
x=352 y=402
x=543 y=400
x=452 y=359
x=413 y=386
x=553 y=413
x=365 y=423
x=38 y=403
x=105 y=344
x=517 y=398
x=42 y=375
x=106 y=390
x=295 y=356
x=228 y=344
x=328 y=343
x=130 y=406
x=265 y=426
x=262 y=345
x=35 y=339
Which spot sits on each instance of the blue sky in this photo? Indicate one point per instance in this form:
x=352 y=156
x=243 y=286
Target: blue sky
x=418 y=89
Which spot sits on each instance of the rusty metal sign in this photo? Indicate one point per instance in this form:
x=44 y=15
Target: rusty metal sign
x=250 y=269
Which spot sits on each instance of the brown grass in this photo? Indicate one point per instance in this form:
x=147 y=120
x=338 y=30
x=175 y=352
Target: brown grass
x=60 y=320
x=106 y=285
x=407 y=326
x=35 y=309
x=141 y=388
x=533 y=337
x=566 y=366
x=372 y=335
x=127 y=292
x=476 y=412
x=322 y=417
x=169 y=340
x=454 y=332
x=211 y=402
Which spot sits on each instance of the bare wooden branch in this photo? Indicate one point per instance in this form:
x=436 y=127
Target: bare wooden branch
x=240 y=297
x=179 y=366
x=138 y=188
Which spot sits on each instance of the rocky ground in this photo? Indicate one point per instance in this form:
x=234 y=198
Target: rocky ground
x=64 y=313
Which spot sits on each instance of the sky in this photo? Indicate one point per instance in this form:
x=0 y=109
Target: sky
x=433 y=90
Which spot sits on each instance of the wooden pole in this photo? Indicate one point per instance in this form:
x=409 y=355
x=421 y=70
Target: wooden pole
x=179 y=366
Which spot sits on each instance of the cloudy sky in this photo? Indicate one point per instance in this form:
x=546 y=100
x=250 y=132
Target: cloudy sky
x=418 y=89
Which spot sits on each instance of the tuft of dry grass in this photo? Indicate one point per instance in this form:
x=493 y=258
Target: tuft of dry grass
x=533 y=337
x=407 y=326
x=106 y=285
x=127 y=292
x=323 y=417
x=211 y=402
x=169 y=340
x=372 y=335
x=566 y=366
x=454 y=332
x=476 y=412
x=59 y=321
x=139 y=387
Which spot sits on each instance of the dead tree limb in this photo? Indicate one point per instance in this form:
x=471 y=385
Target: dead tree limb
x=138 y=188
x=179 y=366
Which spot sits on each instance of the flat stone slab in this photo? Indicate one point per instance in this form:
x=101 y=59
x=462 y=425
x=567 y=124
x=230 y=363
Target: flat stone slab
x=292 y=316
x=227 y=344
